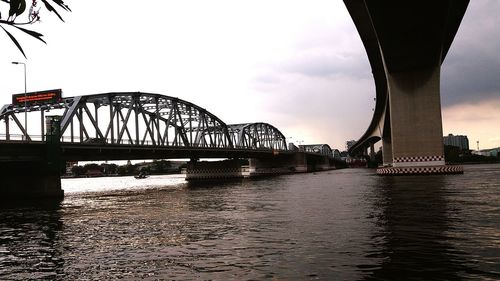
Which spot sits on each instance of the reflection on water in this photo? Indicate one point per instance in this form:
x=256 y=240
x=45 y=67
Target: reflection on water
x=412 y=213
x=343 y=225
x=28 y=235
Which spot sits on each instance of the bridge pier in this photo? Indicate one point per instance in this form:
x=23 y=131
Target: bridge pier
x=319 y=163
x=277 y=165
x=372 y=152
x=298 y=162
x=416 y=130
x=29 y=180
x=213 y=171
x=29 y=171
x=387 y=152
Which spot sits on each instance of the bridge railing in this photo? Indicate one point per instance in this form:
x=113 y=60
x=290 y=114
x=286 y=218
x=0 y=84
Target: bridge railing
x=96 y=141
x=19 y=137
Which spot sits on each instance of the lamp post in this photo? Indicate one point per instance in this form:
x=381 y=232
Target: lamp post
x=25 y=100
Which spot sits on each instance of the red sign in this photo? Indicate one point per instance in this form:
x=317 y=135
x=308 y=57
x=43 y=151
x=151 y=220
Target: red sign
x=36 y=98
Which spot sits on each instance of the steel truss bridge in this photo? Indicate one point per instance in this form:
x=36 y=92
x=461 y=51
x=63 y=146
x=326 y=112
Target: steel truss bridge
x=136 y=125
x=323 y=149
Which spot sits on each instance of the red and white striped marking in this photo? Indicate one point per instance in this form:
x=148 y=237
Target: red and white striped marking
x=428 y=170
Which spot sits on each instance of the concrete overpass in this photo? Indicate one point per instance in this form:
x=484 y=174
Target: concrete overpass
x=406 y=43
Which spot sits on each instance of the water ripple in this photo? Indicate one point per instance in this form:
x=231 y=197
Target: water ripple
x=336 y=225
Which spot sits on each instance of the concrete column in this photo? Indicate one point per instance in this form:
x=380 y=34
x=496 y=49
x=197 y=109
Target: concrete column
x=387 y=151
x=323 y=164
x=372 y=152
x=365 y=151
x=300 y=162
x=416 y=130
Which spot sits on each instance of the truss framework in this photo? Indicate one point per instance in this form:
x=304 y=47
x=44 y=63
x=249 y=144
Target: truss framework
x=135 y=118
x=257 y=136
x=323 y=149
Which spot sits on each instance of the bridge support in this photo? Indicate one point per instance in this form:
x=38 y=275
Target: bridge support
x=406 y=42
x=213 y=171
x=286 y=164
x=372 y=152
x=30 y=171
x=387 y=151
x=29 y=180
x=416 y=142
x=298 y=162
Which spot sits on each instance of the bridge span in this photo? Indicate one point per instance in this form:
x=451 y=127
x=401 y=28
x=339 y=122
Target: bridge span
x=136 y=125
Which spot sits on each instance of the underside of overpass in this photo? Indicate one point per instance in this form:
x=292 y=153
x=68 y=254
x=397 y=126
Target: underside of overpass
x=406 y=43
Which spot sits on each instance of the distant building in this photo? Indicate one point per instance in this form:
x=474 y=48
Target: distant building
x=349 y=144
x=459 y=141
x=492 y=152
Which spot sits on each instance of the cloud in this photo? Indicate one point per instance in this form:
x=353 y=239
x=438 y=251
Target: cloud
x=470 y=71
x=326 y=65
x=300 y=67
x=494 y=139
x=326 y=109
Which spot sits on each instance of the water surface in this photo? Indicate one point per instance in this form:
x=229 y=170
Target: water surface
x=337 y=225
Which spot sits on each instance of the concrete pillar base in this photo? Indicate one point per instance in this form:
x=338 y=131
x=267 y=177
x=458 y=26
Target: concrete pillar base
x=29 y=180
x=213 y=171
x=286 y=164
x=421 y=170
x=300 y=169
x=32 y=195
x=268 y=172
x=323 y=167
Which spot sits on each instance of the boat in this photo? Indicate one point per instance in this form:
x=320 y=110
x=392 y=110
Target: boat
x=141 y=176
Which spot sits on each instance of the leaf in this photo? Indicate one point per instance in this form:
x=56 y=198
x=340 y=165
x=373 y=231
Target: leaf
x=32 y=33
x=51 y=9
x=22 y=7
x=17 y=7
x=15 y=41
x=61 y=4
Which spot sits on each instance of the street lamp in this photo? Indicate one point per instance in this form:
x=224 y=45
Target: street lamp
x=25 y=100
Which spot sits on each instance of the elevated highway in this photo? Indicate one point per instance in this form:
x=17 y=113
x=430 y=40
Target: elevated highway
x=406 y=43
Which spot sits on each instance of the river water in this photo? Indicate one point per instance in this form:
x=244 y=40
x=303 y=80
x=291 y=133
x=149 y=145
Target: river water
x=337 y=225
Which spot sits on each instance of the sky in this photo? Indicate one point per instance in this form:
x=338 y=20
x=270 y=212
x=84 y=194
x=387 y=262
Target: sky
x=298 y=65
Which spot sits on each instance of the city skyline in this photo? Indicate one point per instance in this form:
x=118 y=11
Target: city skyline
x=298 y=66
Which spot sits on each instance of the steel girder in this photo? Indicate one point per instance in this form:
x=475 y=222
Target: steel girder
x=336 y=154
x=132 y=118
x=323 y=149
x=257 y=136
x=135 y=118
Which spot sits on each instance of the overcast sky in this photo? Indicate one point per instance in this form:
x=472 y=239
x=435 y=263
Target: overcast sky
x=299 y=65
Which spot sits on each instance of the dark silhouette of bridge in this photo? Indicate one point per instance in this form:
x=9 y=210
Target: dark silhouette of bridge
x=135 y=125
